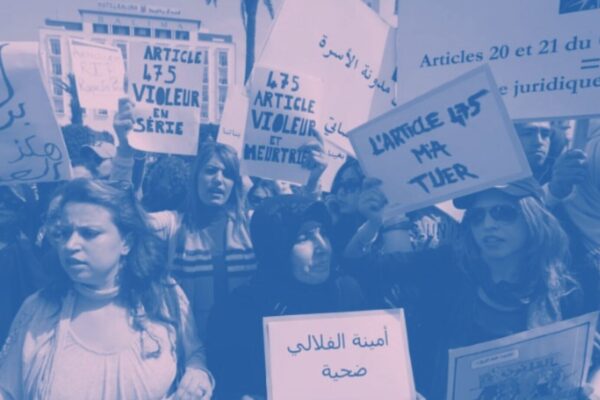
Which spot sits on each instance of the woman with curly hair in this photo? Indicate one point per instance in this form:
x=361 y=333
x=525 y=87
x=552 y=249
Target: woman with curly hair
x=111 y=324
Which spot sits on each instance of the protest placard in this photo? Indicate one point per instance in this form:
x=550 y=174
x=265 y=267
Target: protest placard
x=282 y=117
x=550 y=362
x=165 y=85
x=232 y=129
x=356 y=355
x=32 y=148
x=99 y=73
x=349 y=47
x=545 y=54
x=454 y=140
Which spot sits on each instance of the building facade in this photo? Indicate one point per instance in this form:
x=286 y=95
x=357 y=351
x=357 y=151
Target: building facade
x=119 y=24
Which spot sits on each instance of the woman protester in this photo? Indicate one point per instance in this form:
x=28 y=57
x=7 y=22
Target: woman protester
x=296 y=275
x=506 y=272
x=111 y=324
x=210 y=252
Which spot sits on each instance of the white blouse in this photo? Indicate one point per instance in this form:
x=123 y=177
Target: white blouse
x=44 y=359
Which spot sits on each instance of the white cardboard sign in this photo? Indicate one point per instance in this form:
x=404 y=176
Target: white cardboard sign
x=32 y=148
x=450 y=142
x=349 y=47
x=99 y=73
x=165 y=85
x=351 y=356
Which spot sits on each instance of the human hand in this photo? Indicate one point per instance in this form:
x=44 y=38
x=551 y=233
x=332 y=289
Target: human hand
x=123 y=121
x=372 y=200
x=315 y=160
x=195 y=384
x=569 y=169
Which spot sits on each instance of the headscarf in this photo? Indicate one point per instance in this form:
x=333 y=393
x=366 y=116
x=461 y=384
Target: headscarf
x=583 y=208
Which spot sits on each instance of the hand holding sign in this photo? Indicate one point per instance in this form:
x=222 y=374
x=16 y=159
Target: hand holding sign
x=569 y=169
x=123 y=123
x=372 y=200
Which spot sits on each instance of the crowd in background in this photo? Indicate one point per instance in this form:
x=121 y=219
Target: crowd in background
x=148 y=275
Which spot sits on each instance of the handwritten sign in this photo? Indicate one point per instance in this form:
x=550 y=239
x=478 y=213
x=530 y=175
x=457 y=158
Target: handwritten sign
x=359 y=355
x=31 y=144
x=165 y=82
x=99 y=72
x=550 y=362
x=545 y=54
x=232 y=130
x=455 y=140
x=349 y=47
x=282 y=118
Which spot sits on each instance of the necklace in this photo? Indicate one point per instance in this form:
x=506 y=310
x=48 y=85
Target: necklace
x=96 y=294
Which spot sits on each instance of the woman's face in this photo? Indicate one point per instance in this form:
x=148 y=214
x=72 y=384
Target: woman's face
x=311 y=254
x=214 y=184
x=497 y=225
x=89 y=244
x=349 y=191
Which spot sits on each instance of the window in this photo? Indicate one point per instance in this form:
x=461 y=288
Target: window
x=222 y=76
x=204 y=75
x=57 y=89
x=56 y=67
x=100 y=28
x=143 y=32
x=205 y=93
x=59 y=106
x=222 y=94
x=162 y=33
x=101 y=113
x=120 y=30
x=222 y=58
x=182 y=35
x=204 y=55
x=204 y=111
x=55 y=46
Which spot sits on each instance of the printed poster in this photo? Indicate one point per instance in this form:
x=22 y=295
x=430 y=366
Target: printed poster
x=545 y=54
x=550 y=363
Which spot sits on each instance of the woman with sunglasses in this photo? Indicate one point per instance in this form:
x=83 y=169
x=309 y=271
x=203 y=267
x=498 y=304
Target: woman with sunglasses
x=506 y=272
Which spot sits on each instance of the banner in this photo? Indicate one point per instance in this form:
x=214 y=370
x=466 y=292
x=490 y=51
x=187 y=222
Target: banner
x=99 y=73
x=349 y=47
x=545 y=54
x=165 y=83
x=357 y=355
x=32 y=148
x=550 y=362
x=453 y=141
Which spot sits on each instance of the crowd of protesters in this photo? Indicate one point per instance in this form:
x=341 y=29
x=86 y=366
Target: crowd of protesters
x=147 y=276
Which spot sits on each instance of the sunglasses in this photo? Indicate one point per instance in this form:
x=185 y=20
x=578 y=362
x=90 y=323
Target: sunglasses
x=502 y=213
x=350 y=185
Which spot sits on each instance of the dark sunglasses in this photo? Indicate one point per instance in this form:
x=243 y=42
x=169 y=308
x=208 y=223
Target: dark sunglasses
x=503 y=213
x=350 y=185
